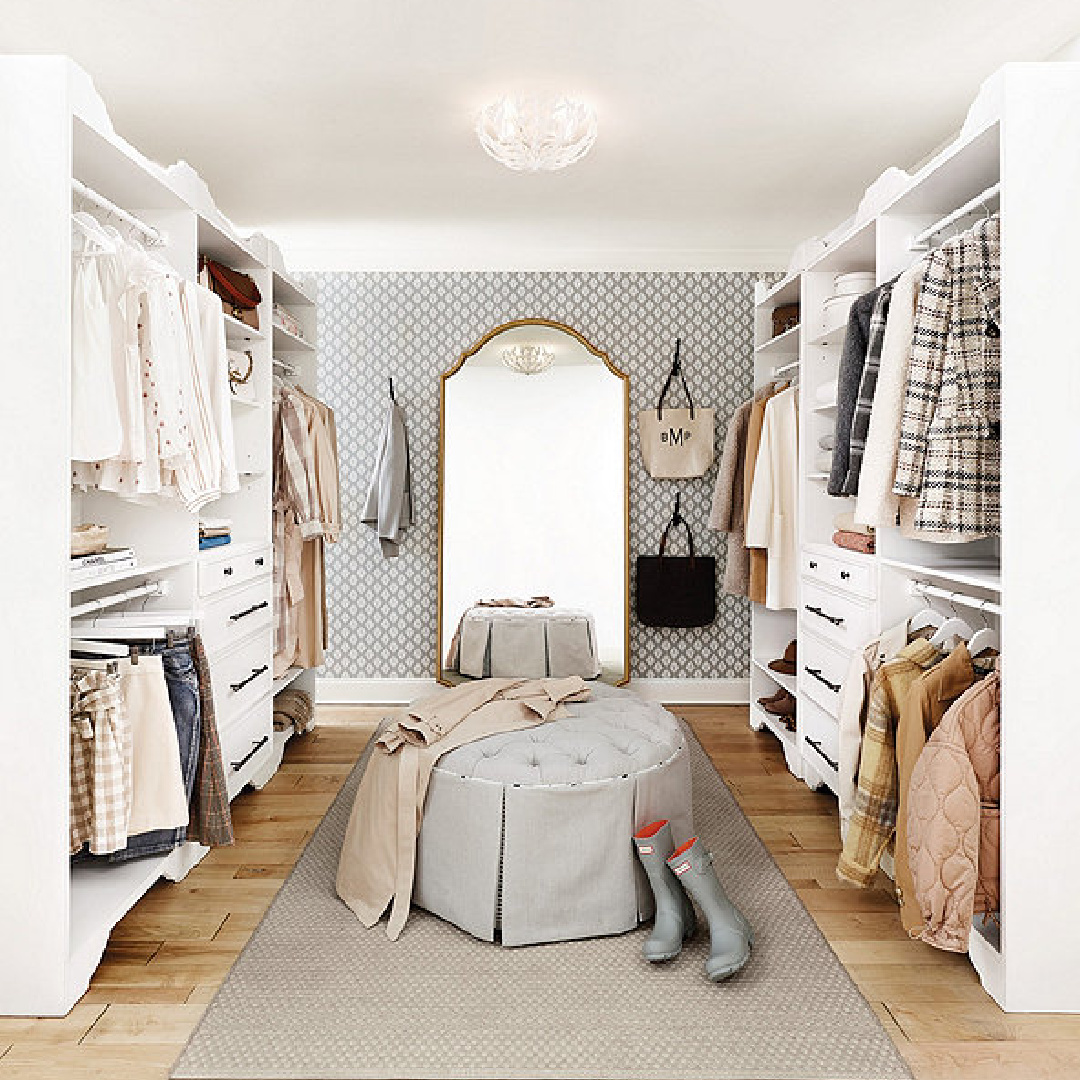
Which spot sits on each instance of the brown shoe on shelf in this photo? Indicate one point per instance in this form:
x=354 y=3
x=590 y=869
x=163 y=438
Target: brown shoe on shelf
x=783 y=707
x=766 y=701
x=786 y=664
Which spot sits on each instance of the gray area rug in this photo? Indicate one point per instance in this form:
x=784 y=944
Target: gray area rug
x=315 y=996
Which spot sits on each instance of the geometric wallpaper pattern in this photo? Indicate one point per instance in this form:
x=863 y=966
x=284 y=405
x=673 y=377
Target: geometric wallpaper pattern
x=413 y=326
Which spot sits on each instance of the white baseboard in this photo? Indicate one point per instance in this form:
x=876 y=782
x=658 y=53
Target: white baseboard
x=400 y=691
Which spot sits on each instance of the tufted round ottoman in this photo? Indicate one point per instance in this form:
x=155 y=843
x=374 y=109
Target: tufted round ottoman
x=529 y=833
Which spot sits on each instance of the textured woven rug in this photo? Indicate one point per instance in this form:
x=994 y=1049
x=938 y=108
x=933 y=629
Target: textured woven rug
x=315 y=996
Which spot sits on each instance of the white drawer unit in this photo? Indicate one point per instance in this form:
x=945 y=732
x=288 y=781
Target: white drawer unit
x=247 y=745
x=822 y=670
x=242 y=675
x=230 y=616
x=845 y=620
x=218 y=572
x=859 y=578
x=819 y=741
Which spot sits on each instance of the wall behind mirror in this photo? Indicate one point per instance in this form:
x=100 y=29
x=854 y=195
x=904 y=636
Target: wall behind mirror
x=534 y=485
x=411 y=326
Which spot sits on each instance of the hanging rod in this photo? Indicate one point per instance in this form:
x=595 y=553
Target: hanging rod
x=923 y=588
x=155 y=236
x=922 y=241
x=287 y=369
x=781 y=368
x=153 y=588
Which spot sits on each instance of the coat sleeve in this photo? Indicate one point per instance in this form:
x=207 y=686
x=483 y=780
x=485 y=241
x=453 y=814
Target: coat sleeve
x=726 y=511
x=852 y=360
x=762 y=495
x=923 y=387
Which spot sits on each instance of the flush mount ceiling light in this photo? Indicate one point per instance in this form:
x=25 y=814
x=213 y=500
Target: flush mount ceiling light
x=535 y=134
x=528 y=359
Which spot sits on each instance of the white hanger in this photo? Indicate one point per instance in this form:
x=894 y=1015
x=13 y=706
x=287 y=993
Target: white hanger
x=927 y=617
x=952 y=627
x=101 y=243
x=986 y=637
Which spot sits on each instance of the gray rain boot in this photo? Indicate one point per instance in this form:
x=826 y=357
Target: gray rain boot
x=730 y=932
x=674 y=921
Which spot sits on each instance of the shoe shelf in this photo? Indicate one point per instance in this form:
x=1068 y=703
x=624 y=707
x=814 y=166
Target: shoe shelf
x=788 y=682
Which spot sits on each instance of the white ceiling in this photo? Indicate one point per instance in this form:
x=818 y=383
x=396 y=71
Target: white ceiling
x=728 y=131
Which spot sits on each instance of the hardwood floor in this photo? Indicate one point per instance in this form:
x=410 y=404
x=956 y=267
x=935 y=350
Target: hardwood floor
x=167 y=957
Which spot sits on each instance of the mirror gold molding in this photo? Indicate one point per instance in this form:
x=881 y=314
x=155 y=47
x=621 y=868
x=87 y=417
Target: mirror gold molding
x=442 y=639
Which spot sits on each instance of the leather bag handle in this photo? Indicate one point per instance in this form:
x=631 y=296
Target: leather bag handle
x=676 y=370
x=677 y=519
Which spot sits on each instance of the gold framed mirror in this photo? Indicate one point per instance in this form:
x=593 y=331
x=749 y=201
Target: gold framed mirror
x=534 y=501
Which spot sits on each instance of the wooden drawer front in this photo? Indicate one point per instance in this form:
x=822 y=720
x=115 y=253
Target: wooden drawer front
x=843 y=620
x=819 y=736
x=232 y=616
x=822 y=670
x=857 y=578
x=247 y=744
x=225 y=572
x=242 y=675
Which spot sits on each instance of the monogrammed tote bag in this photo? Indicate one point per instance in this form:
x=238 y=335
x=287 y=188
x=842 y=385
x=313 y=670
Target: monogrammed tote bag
x=677 y=444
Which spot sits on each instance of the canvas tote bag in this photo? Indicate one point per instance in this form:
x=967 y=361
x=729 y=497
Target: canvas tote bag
x=677 y=444
x=676 y=590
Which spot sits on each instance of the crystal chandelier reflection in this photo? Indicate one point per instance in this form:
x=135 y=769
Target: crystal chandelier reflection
x=534 y=134
x=528 y=359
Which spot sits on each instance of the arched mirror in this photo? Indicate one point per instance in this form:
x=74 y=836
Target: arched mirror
x=534 y=508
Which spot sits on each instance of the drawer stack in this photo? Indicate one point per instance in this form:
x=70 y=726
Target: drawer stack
x=237 y=626
x=838 y=615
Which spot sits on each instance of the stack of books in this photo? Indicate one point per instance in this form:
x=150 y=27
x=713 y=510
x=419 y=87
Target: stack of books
x=86 y=568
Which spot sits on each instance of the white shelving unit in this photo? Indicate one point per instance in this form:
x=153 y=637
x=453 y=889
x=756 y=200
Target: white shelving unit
x=1031 y=962
x=57 y=918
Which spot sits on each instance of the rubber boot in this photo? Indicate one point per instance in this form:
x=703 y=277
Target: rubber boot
x=674 y=921
x=731 y=934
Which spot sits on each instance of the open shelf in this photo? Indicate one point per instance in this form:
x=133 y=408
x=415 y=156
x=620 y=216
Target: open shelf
x=129 y=572
x=825 y=406
x=287 y=292
x=831 y=339
x=788 y=682
x=243 y=403
x=974 y=575
x=235 y=330
x=785 y=344
x=218 y=244
x=787 y=738
x=835 y=551
x=855 y=250
x=818 y=477
x=286 y=342
x=287 y=679
x=785 y=291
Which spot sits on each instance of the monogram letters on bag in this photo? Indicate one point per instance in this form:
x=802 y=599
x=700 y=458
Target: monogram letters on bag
x=676 y=436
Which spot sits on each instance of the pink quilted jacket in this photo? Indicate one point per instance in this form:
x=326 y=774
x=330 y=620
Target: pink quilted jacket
x=954 y=817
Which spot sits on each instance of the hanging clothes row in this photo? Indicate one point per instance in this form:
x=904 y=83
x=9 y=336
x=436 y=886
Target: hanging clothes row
x=755 y=498
x=146 y=766
x=307 y=512
x=151 y=410
x=919 y=762
x=918 y=433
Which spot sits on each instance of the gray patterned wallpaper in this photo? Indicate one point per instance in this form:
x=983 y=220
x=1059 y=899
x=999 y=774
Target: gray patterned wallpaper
x=412 y=326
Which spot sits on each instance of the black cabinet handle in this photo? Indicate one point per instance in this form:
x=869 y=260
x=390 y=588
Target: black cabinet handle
x=814 y=744
x=259 y=561
x=844 y=575
x=249 y=611
x=813 y=565
x=255 y=673
x=836 y=620
x=227 y=571
x=816 y=672
x=255 y=748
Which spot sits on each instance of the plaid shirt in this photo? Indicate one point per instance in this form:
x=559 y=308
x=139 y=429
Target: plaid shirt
x=950 y=440
x=210 y=820
x=860 y=420
x=100 y=801
x=874 y=818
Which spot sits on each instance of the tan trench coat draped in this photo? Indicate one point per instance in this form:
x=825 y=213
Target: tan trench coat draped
x=378 y=857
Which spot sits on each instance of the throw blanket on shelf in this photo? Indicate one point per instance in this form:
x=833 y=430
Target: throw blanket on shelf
x=378 y=857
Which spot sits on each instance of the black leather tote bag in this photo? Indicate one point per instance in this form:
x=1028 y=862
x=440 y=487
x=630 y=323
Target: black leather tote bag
x=676 y=590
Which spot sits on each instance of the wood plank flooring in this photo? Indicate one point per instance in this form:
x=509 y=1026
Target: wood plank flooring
x=167 y=957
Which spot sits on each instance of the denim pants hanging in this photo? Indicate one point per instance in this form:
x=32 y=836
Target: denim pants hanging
x=182 y=682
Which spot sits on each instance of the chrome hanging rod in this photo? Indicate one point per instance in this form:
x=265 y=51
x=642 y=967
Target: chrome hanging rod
x=155 y=236
x=922 y=241
x=153 y=588
x=923 y=588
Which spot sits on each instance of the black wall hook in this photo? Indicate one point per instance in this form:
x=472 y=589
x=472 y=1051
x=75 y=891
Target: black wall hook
x=392 y=398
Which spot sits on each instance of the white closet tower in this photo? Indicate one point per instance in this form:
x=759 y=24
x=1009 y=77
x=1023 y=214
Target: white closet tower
x=1027 y=161
x=56 y=141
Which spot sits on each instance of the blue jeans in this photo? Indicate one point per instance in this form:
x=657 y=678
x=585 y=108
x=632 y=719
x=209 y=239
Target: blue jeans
x=182 y=681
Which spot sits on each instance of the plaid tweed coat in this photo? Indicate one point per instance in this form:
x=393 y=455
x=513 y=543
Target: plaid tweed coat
x=949 y=455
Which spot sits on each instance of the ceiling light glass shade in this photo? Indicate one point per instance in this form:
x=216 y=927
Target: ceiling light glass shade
x=530 y=134
x=528 y=359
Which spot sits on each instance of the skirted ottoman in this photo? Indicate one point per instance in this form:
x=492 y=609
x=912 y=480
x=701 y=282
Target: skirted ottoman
x=528 y=835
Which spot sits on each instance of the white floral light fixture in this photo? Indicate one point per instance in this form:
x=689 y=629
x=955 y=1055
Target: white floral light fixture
x=534 y=134
x=528 y=359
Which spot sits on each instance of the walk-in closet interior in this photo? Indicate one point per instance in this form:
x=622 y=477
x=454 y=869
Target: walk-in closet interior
x=539 y=541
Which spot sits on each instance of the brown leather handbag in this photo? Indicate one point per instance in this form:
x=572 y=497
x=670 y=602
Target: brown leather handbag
x=240 y=296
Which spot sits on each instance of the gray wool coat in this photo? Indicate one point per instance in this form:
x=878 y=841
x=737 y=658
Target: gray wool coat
x=727 y=514
x=852 y=362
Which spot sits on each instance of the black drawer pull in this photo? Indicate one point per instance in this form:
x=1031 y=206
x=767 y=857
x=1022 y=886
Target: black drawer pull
x=816 y=672
x=255 y=673
x=844 y=575
x=259 y=561
x=227 y=571
x=813 y=565
x=817 y=746
x=249 y=611
x=836 y=620
x=255 y=748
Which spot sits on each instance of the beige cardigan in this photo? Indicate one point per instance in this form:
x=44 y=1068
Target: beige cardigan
x=378 y=857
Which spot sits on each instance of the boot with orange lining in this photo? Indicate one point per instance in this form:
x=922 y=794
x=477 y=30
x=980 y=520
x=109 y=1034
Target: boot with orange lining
x=674 y=921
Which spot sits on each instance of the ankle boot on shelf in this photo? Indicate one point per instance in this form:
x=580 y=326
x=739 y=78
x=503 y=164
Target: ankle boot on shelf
x=730 y=933
x=764 y=701
x=786 y=665
x=782 y=707
x=674 y=921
